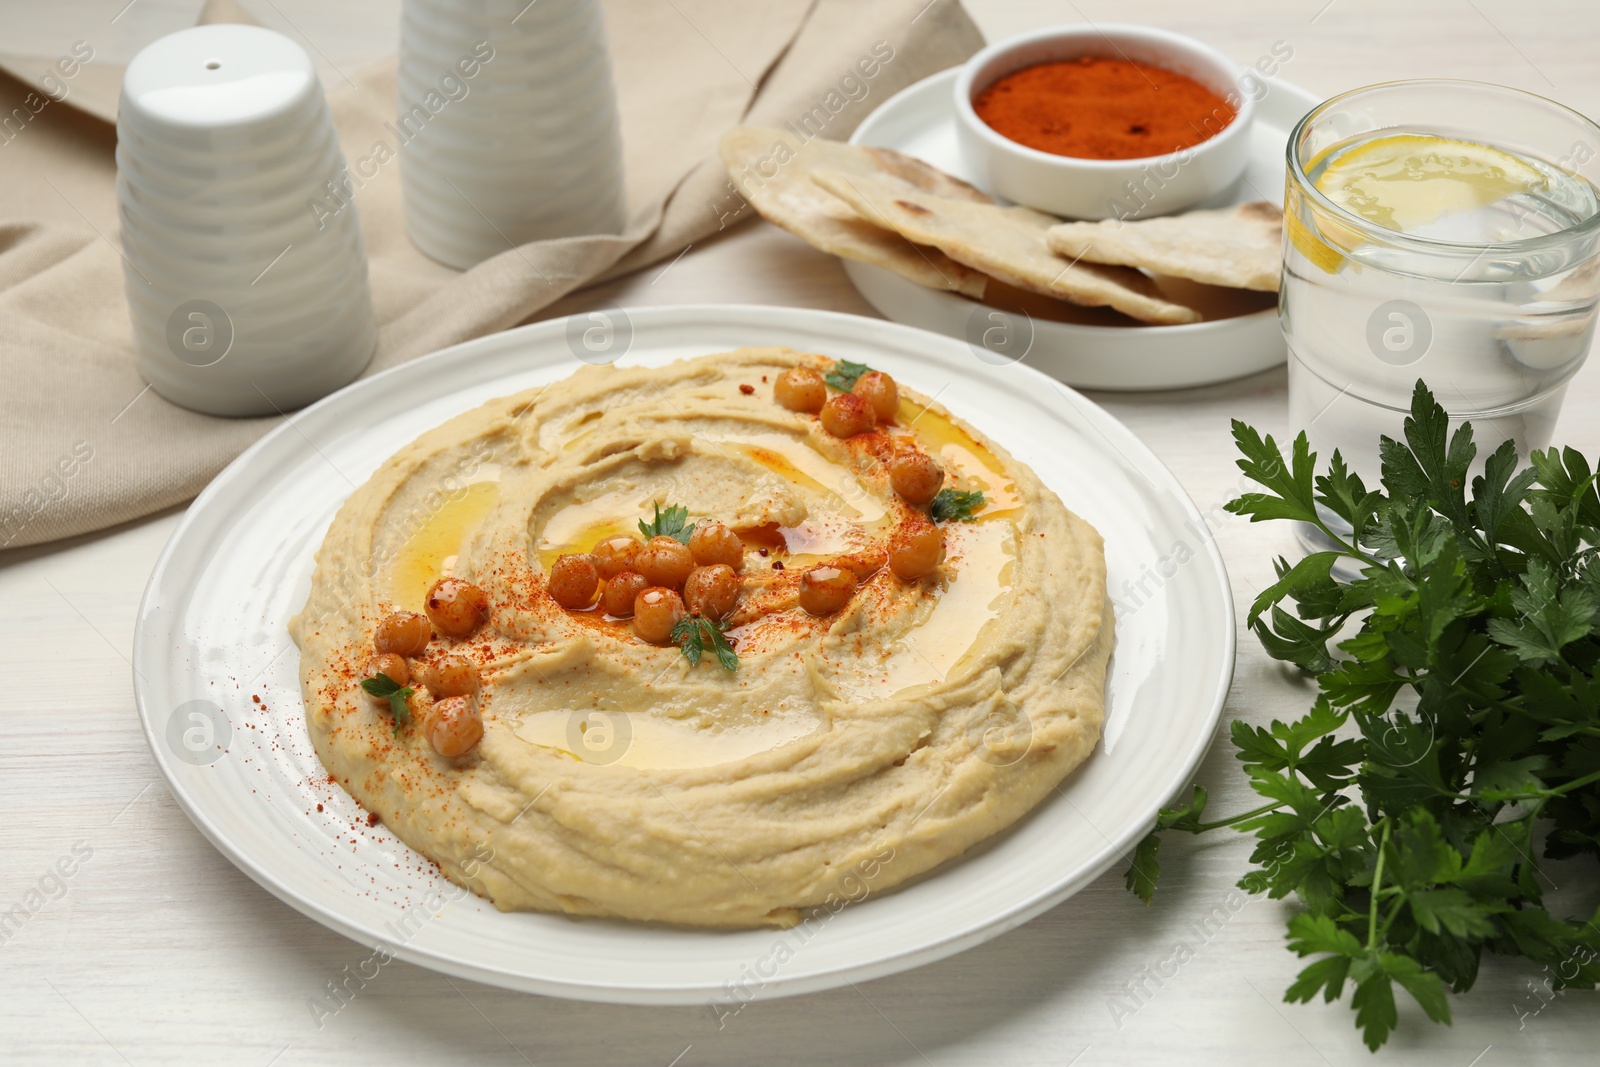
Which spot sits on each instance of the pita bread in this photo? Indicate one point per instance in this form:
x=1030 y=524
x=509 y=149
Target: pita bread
x=772 y=170
x=1239 y=247
x=1003 y=242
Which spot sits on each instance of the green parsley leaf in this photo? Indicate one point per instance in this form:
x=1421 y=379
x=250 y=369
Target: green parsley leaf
x=1552 y=618
x=1329 y=971
x=693 y=634
x=1144 y=870
x=673 y=523
x=381 y=685
x=955 y=504
x=844 y=374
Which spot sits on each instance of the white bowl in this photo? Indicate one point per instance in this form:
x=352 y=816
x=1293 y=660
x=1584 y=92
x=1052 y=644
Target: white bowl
x=1104 y=188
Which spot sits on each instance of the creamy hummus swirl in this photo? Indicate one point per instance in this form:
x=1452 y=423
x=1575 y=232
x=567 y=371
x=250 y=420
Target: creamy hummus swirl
x=614 y=778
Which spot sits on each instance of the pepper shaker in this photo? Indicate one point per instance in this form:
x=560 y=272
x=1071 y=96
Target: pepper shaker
x=507 y=124
x=248 y=295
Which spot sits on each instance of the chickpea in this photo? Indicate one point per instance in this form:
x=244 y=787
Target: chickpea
x=824 y=590
x=655 y=612
x=878 y=390
x=616 y=554
x=846 y=415
x=621 y=591
x=450 y=676
x=915 y=476
x=574 y=580
x=391 y=664
x=916 y=550
x=405 y=633
x=800 y=389
x=864 y=562
x=456 y=607
x=712 y=542
x=454 y=727
x=666 y=562
x=712 y=591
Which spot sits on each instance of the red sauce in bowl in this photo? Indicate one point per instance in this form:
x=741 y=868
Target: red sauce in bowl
x=1095 y=108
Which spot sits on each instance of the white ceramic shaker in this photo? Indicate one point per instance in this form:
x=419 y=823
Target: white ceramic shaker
x=507 y=124
x=246 y=279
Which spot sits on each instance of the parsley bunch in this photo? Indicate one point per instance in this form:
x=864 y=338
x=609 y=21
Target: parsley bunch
x=1455 y=738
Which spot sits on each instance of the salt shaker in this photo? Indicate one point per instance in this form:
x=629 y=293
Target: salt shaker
x=507 y=124
x=245 y=270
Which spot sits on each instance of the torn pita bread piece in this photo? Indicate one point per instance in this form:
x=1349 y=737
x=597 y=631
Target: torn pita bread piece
x=1238 y=247
x=1003 y=242
x=772 y=170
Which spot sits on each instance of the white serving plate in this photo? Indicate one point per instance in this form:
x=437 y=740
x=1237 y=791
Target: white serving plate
x=1100 y=349
x=212 y=628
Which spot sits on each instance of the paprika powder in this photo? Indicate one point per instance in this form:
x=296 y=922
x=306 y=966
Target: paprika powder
x=1096 y=108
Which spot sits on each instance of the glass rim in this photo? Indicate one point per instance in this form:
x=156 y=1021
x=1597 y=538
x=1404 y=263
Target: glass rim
x=1383 y=234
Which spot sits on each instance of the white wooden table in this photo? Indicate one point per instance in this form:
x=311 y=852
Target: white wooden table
x=156 y=950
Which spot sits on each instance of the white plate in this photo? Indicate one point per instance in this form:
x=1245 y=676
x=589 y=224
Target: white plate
x=211 y=628
x=1102 y=350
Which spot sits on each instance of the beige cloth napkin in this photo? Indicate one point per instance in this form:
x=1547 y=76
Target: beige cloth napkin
x=84 y=445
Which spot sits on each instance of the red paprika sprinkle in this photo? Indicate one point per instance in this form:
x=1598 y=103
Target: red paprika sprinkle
x=1096 y=108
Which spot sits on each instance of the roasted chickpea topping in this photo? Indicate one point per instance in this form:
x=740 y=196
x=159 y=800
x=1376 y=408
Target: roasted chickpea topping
x=405 y=633
x=574 y=581
x=449 y=676
x=456 y=607
x=390 y=664
x=800 y=389
x=846 y=415
x=863 y=563
x=712 y=591
x=916 y=550
x=712 y=542
x=454 y=727
x=655 y=612
x=615 y=555
x=878 y=390
x=826 y=589
x=666 y=561
x=916 y=476
x=621 y=591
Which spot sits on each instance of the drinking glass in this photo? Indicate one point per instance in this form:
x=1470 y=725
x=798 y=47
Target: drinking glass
x=1493 y=305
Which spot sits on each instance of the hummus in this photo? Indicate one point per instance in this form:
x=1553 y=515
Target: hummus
x=614 y=777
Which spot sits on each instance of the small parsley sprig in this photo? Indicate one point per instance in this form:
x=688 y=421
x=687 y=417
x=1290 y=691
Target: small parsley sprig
x=1454 y=731
x=673 y=523
x=844 y=374
x=695 y=633
x=381 y=685
x=955 y=504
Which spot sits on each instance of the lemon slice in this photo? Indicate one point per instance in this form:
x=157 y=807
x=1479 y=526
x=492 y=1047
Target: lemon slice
x=1405 y=182
x=1321 y=239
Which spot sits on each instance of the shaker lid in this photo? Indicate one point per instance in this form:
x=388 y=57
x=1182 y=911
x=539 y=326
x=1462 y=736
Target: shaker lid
x=218 y=75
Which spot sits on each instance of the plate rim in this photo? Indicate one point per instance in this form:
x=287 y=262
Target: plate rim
x=678 y=315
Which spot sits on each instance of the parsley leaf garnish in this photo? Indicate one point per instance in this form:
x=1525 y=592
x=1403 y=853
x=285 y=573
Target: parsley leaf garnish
x=844 y=374
x=955 y=504
x=673 y=523
x=381 y=685
x=695 y=633
x=1453 y=629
